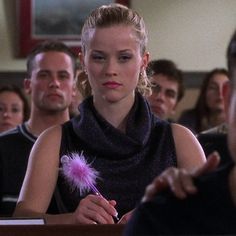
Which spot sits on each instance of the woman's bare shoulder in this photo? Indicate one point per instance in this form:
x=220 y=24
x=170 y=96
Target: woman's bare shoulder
x=189 y=151
x=51 y=132
x=181 y=131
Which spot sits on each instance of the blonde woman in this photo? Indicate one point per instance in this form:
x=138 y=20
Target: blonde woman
x=116 y=131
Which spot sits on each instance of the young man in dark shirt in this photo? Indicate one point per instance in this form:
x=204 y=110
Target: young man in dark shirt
x=51 y=70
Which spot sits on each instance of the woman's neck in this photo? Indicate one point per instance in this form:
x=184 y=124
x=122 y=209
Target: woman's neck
x=115 y=113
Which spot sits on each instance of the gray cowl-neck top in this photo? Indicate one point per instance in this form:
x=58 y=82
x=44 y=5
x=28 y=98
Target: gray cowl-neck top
x=127 y=162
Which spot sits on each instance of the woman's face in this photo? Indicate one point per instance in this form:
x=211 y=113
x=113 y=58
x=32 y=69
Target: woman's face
x=11 y=110
x=113 y=62
x=214 y=92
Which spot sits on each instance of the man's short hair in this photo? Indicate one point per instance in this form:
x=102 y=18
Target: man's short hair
x=167 y=68
x=50 y=46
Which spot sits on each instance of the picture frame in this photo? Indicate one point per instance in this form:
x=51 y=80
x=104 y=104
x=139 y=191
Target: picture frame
x=44 y=20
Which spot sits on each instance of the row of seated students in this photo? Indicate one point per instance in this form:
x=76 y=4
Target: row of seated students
x=167 y=91
x=207 y=120
x=43 y=108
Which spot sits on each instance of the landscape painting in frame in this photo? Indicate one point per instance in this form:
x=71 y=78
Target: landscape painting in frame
x=61 y=19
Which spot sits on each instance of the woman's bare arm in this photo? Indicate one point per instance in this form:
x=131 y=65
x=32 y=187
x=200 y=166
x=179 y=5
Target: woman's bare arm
x=190 y=154
x=41 y=177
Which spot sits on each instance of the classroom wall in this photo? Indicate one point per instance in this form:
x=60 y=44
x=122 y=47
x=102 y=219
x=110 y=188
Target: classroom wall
x=194 y=33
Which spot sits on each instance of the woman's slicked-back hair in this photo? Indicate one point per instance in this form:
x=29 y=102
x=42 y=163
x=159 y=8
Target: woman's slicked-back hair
x=115 y=14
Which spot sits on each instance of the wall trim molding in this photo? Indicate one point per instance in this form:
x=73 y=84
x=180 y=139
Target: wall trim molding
x=192 y=79
x=9 y=77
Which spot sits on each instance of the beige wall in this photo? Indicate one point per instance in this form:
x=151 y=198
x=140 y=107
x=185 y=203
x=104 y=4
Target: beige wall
x=8 y=37
x=193 y=33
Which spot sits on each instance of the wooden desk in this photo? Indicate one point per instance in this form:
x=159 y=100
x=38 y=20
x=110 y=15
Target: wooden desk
x=61 y=230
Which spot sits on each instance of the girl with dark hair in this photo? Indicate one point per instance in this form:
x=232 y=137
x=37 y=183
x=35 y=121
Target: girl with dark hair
x=209 y=110
x=14 y=107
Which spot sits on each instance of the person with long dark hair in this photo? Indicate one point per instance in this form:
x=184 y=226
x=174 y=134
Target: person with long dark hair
x=209 y=110
x=14 y=107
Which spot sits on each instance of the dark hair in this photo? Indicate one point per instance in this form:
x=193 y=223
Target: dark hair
x=15 y=89
x=50 y=46
x=201 y=107
x=231 y=58
x=169 y=69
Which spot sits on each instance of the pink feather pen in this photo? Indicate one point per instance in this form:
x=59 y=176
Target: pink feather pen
x=80 y=174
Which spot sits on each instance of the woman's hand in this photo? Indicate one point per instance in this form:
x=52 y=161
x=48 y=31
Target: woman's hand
x=95 y=209
x=180 y=181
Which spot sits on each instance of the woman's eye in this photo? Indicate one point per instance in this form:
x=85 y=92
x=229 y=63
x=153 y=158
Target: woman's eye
x=2 y=109
x=124 y=58
x=213 y=88
x=63 y=76
x=15 y=110
x=98 y=57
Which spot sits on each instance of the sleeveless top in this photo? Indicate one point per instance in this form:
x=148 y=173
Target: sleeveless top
x=127 y=162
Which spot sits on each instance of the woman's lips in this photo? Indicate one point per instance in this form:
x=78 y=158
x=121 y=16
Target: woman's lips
x=111 y=84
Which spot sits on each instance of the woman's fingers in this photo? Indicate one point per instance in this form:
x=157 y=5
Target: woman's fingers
x=95 y=209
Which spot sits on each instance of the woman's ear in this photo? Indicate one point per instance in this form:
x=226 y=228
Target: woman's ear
x=145 y=60
x=227 y=96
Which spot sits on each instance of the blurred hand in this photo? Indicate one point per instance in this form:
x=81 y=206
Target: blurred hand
x=95 y=209
x=180 y=181
x=124 y=219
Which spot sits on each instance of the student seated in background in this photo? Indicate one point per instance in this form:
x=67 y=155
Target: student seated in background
x=14 y=107
x=208 y=203
x=116 y=131
x=209 y=109
x=167 y=87
x=51 y=70
x=215 y=139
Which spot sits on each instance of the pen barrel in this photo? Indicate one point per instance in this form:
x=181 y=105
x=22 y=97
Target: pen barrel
x=95 y=191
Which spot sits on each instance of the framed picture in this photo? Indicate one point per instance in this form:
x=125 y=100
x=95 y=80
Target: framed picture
x=62 y=20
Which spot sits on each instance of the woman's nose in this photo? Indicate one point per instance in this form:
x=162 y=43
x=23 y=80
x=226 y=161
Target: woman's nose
x=111 y=68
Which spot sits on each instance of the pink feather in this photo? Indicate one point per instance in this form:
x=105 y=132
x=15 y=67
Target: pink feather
x=79 y=173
